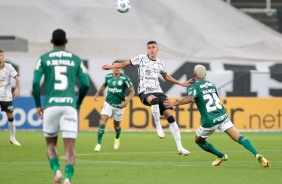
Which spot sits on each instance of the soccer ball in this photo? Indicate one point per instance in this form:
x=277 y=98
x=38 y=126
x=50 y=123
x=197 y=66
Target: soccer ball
x=123 y=6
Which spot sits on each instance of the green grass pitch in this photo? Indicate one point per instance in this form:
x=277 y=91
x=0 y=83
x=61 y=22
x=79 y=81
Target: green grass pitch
x=143 y=158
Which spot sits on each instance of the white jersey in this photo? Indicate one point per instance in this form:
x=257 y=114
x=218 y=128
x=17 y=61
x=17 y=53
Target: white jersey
x=149 y=71
x=6 y=74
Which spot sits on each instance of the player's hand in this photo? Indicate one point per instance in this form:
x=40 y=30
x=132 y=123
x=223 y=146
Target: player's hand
x=39 y=112
x=168 y=103
x=106 y=67
x=187 y=83
x=16 y=92
x=96 y=97
x=124 y=104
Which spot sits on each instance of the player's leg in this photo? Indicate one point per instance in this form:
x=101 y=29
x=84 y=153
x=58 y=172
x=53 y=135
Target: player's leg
x=153 y=101
x=107 y=112
x=8 y=108
x=69 y=127
x=51 y=128
x=174 y=130
x=117 y=116
x=236 y=136
x=200 y=139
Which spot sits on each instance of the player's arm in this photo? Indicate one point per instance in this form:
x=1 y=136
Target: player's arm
x=84 y=86
x=169 y=78
x=129 y=97
x=186 y=100
x=101 y=89
x=16 y=90
x=117 y=65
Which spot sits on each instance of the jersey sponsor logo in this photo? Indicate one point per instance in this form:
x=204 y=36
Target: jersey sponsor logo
x=60 y=54
x=206 y=85
x=56 y=62
x=151 y=78
x=220 y=118
x=61 y=100
x=115 y=90
x=151 y=89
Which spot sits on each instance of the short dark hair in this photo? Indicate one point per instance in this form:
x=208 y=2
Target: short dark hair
x=59 y=37
x=1 y=51
x=152 y=42
x=116 y=62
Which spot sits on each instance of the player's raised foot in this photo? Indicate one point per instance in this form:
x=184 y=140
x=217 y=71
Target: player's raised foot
x=183 y=151
x=218 y=160
x=67 y=181
x=58 y=178
x=15 y=142
x=116 y=144
x=262 y=161
x=97 y=147
x=160 y=132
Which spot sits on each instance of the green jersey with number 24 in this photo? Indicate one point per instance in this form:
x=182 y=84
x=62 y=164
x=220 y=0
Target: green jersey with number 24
x=208 y=103
x=60 y=69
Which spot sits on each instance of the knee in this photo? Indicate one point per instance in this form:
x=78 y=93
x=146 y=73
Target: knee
x=11 y=119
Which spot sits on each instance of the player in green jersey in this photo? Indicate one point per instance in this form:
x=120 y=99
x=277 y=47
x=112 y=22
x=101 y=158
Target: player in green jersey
x=60 y=69
x=114 y=104
x=213 y=116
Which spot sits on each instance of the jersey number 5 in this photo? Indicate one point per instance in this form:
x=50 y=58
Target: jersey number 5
x=61 y=78
x=213 y=102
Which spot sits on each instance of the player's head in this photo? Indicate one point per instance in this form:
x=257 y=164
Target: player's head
x=116 y=70
x=59 y=37
x=152 y=49
x=2 y=57
x=200 y=71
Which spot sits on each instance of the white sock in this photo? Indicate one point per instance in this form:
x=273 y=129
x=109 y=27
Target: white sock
x=176 y=134
x=156 y=114
x=12 y=128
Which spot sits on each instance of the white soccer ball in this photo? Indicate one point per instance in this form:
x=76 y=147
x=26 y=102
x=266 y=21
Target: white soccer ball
x=123 y=6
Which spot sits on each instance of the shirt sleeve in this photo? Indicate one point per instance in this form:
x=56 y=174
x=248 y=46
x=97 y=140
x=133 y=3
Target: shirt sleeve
x=136 y=60
x=128 y=82
x=38 y=72
x=162 y=68
x=84 y=84
x=192 y=91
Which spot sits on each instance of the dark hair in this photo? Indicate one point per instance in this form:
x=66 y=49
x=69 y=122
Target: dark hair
x=59 y=37
x=1 y=51
x=152 y=42
x=116 y=62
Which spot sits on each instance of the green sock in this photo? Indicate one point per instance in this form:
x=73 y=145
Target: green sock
x=101 y=130
x=247 y=144
x=118 y=132
x=69 y=171
x=54 y=163
x=209 y=148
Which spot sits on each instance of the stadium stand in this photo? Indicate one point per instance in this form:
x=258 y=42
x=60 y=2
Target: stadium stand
x=265 y=11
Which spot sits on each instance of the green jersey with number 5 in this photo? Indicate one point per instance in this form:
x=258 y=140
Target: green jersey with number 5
x=208 y=103
x=60 y=69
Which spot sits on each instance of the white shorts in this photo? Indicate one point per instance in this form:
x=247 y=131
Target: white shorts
x=206 y=132
x=60 y=118
x=111 y=111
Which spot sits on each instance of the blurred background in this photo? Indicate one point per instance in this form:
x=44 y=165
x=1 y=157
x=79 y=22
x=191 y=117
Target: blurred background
x=239 y=42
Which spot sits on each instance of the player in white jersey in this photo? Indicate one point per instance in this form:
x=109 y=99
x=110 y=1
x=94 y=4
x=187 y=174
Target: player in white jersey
x=7 y=72
x=150 y=92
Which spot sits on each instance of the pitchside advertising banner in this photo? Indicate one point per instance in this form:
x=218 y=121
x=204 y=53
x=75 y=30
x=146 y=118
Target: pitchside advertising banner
x=250 y=91
x=262 y=114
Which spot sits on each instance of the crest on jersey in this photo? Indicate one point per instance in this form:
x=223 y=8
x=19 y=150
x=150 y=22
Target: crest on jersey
x=119 y=82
